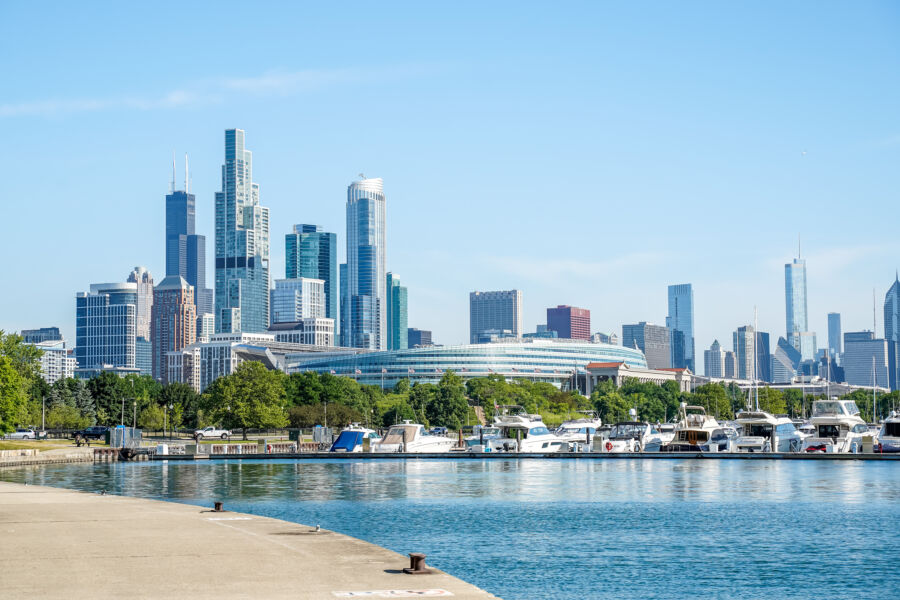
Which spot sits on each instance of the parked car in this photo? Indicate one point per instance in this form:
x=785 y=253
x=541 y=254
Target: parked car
x=212 y=432
x=438 y=431
x=22 y=434
x=94 y=432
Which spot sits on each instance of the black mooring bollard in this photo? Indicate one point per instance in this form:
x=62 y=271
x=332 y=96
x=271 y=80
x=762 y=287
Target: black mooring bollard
x=416 y=564
x=217 y=507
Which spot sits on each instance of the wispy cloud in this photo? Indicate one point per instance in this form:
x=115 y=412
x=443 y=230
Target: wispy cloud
x=567 y=269
x=212 y=91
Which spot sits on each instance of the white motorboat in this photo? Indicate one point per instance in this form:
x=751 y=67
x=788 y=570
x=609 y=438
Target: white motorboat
x=412 y=437
x=765 y=432
x=482 y=434
x=839 y=428
x=631 y=436
x=525 y=433
x=889 y=436
x=579 y=431
x=694 y=432
x=351 y=438
x=666 y=432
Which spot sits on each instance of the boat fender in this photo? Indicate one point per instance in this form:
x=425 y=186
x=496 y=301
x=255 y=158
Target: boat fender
x=609 y=446
x=268 y=448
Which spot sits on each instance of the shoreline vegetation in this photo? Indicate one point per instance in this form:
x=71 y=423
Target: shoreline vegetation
x=255 y=398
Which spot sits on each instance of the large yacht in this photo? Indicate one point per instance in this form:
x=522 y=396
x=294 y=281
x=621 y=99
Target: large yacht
x=351 y=438
x=631 y=436
x=412 y=437
x=889 y=436
x=838 y=427
x=525 y=433
x=579 y=431
x=693 y=432
x=765 y=432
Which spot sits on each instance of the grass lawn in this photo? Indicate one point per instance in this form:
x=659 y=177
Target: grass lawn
x=35 y=444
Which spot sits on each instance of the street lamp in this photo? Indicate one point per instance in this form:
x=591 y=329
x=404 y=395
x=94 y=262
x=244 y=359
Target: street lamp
x=43 y=413
x=134 y=421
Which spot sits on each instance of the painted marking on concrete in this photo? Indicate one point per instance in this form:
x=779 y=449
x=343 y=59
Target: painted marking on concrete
x=229 y=518
x=432 y=593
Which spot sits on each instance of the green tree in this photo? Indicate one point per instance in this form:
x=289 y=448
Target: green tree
x=107 y=395
x=339 y=415
x=24 y=358
x=13 y=397
x=448 y=406
x=250 y=397
x=714 y=398
x=399 y=412
x=771 y=401
x=152 y=418
x=304 y=389
x=184 y=403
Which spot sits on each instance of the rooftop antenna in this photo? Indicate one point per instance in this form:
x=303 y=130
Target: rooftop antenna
x=186 y=187
x=173 y=171
x=874 y=312
x=798 y=246
x=361 y=176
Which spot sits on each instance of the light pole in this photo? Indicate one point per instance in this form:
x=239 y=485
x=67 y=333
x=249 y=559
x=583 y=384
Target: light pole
x=43 y=412
x=134 y=418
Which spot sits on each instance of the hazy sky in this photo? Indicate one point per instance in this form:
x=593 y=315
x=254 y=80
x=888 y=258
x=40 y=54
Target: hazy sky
x=585 y=153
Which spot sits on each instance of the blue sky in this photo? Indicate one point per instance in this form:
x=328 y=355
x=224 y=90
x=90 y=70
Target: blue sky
x=586 y=153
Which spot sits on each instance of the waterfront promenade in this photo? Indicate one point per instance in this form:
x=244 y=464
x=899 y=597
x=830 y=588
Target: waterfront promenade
x=59 y=543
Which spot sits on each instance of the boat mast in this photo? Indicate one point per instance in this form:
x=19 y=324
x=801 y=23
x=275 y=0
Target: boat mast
x=755 y=355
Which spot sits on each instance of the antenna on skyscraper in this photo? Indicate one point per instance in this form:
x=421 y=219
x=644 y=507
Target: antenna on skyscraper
x=186 y=186
x=798 y=246
x=173 y=171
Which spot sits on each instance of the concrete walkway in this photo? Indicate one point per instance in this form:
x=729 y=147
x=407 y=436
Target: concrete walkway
x=57 y=543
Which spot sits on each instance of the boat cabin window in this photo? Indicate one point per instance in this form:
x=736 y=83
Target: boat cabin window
x=850 y=407
x=785 y=429
x=395 y=434
x=757 y=429
x=831 y=431
x=693 y=436
x=825 y=408
x=626 y=430
x=860 y=428
x=537 y=431
x=891 y=430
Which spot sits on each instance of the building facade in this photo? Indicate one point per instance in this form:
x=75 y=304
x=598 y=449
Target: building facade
x=495 y=311
x=865 y=359
x=44 y=334
x=892 y=332
x=653 y=340
x=316 y=331
x=56 y=361
x=731 y=365
x=366 y=293
x=570 y=322
x=418 y=338
x=143 y=281
x=763 y=357
x=185 y=250
x=745 y=352
x=397 y=314
x=297 y=299
x=105 y=325
x=714 y=361
x=242 y=244
x=312 y=253
x=796 y=322
x=174 y=321
x=835 y=347
x=681 y=318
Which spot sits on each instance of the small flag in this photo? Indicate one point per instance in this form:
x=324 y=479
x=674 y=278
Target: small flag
x=515 y=370
x=333 y=372
x=358 y=372
x=411 y=371
x=464 y=369
x=438 y=371
x=384 y=371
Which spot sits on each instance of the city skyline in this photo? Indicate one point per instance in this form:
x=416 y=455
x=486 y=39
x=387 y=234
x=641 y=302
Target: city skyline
x=304 y=167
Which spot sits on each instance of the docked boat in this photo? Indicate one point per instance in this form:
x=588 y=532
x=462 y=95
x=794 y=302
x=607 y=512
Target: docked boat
x=889 y=436
x=631 y=436
x=839 y=428
x=666 y=432
x=412 y=437
x=764 y=432
x=694 y=432
x=482 y=434
x=351 y=438
x=579 y=431
x=525 y=433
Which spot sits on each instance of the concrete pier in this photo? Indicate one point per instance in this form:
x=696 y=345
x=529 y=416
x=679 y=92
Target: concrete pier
x=57 y=543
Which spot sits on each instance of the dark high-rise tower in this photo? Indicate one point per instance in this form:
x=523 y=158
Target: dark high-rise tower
x=185 y=250
x=312 y=253
x=892 y=332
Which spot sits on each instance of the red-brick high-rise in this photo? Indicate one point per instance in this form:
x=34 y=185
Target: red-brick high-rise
x=570 y=322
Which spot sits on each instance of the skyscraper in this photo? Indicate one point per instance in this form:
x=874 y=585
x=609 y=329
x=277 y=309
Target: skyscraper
x=865 y=359
x=44 y=334
x=495 y=311
x=570 y=322
x=343 y=333
x=174 y=321
x=297 y=299
x=834 y=335
x=242 y=244
x=143 y=281
x=797 y=326
x=652 y=340
x=681 y=318
x=185 y=250
x=745 y=351
x=763 y=357
x=105 y=325
x=397 y=314
x=418 y=337
x=311 y=252
x=366 y=294
x=714 y=361
x=892 y=332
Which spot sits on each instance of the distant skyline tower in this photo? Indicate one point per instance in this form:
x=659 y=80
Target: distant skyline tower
x=497 y=311
x=835 y=345
x=681 y=318
x=312 y=253
x=366 y=293
x=144 y=286
x=653 y=340
x=185 y=250
x=242 y=244
x=796 y=323
x=570 y=322
x=745 y=352
x=714 y=361
x=397 y=314
x=105 y=325
x=892 y=332
x=174 y=321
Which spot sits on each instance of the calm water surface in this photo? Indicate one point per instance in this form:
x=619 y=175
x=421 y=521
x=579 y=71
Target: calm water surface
x=571 y=529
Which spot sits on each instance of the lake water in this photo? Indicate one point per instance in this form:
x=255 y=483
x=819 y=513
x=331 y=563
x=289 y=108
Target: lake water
x=570 y=529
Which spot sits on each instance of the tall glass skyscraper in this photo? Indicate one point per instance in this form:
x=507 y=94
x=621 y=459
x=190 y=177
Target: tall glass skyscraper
x=681 y=318
x=397 y=314
x=242 y=244
x=105 y=325
x=892 y=332
x=185 y=250
x=834 y=336
x=366 y=294
x=312 y=253
x=795 y=307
